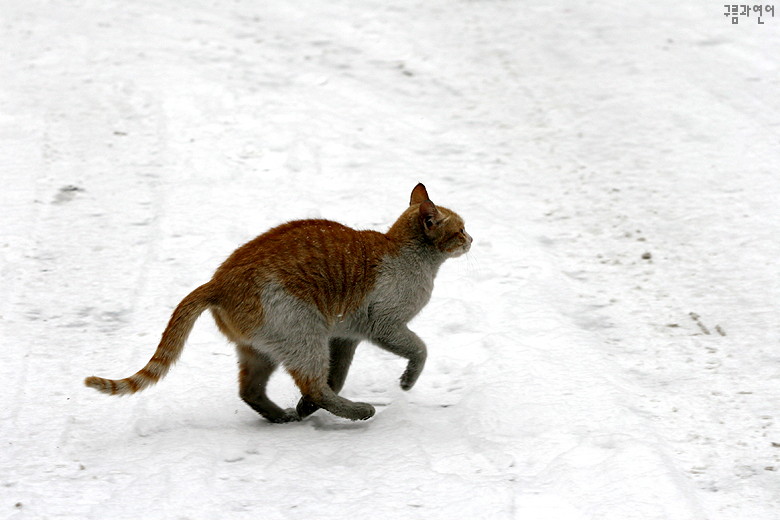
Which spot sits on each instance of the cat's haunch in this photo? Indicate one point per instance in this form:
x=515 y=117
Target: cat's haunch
x=304 y=294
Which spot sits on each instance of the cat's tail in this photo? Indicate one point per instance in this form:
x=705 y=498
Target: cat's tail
x=169 y=349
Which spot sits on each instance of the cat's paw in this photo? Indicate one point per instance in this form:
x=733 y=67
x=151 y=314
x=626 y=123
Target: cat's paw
x=361 y=412
x=409 y=378
x=305 y=408
x=289 y=415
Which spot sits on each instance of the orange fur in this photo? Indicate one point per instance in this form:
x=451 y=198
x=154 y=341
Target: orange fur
x=321 y=262
x=299 y=294
x=167 y=352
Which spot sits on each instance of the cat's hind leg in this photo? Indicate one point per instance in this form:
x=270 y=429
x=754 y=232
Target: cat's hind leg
x=254 y=370
x=342 y=351
x=312 y=373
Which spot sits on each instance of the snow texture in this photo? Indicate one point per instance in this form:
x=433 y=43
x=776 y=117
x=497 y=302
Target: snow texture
x=608 y=350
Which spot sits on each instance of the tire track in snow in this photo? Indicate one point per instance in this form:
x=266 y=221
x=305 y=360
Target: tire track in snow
x=487 y=93
x=646 y=239
x=83 y=193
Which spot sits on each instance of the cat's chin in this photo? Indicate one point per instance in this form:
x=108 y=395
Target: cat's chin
x=457 y=253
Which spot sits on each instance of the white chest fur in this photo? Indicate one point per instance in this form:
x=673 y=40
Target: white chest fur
x=404 y=286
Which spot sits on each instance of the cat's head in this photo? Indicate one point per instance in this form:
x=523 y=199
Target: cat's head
x=443 y=228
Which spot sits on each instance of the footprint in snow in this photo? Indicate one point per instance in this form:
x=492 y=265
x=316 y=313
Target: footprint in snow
x=66 y=194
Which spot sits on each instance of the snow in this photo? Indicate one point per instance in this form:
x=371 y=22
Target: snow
x=608 y=350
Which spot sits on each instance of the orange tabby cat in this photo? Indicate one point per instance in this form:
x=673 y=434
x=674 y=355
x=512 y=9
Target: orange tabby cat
x=304 y=294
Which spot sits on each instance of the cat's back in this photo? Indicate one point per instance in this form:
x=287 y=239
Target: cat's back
x=308 y=243
x=320 y=261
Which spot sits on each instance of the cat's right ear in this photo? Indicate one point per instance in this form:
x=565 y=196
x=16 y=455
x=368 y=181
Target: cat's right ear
x=419 y=195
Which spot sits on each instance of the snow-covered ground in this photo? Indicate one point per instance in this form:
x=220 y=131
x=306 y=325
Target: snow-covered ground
x=609 y=350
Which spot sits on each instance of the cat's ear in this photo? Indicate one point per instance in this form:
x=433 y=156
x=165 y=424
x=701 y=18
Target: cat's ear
x=419 y=195
x=429 y=215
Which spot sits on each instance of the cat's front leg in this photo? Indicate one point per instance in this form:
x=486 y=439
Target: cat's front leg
x=399 y=340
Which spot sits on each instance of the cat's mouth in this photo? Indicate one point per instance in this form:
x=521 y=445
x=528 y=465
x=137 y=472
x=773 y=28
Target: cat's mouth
x=462 y=250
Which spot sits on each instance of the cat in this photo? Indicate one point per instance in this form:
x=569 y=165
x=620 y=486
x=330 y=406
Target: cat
x=304 y=294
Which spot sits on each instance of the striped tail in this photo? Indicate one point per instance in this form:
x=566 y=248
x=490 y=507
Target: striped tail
x=168 y=351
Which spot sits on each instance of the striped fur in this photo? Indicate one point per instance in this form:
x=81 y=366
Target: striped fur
x=168 y=351
x=304 y=294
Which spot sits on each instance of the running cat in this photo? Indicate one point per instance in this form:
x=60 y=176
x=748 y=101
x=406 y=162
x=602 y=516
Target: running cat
x=304 y=294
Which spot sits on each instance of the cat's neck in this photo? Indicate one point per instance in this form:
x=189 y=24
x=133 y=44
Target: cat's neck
x=405 y=229
x=407 y=236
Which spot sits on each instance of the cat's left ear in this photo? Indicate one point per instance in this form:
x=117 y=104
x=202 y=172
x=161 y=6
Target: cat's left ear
x=419 y=195
x=429 y=215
